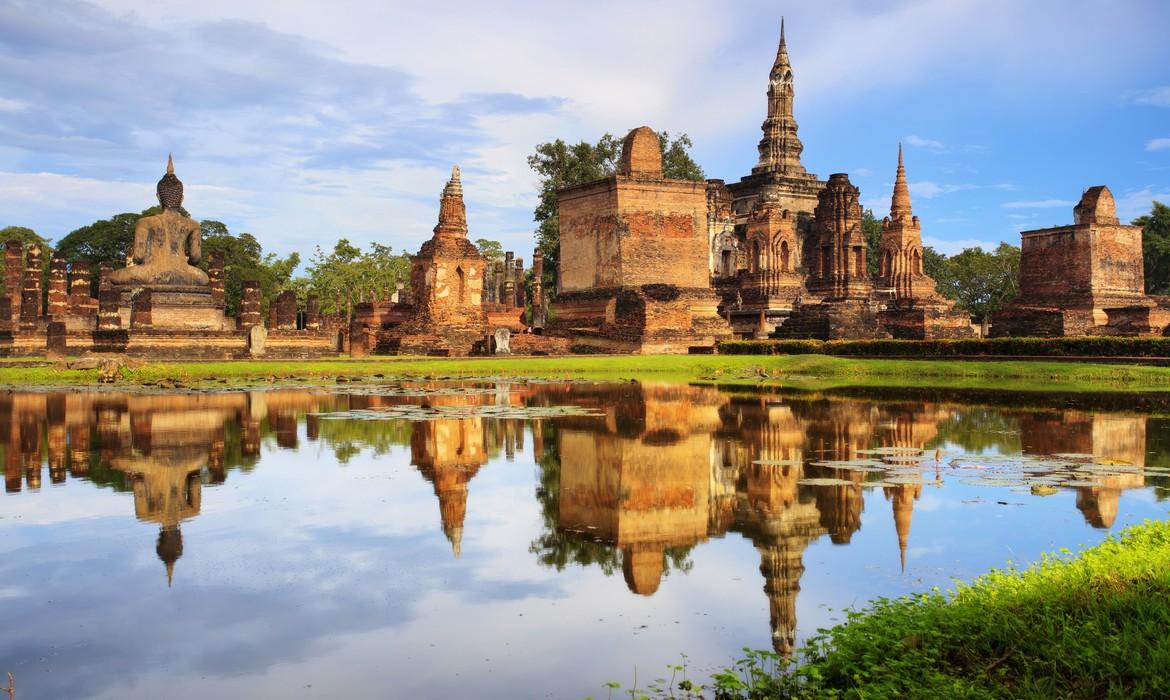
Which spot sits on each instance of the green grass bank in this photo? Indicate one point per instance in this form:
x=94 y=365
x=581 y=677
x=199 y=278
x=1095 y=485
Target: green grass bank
x=812 y=372
x=1090 y=625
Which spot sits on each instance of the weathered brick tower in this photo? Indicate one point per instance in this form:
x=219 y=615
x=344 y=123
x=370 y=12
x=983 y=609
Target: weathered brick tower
x=634 y=260
x=446 y=278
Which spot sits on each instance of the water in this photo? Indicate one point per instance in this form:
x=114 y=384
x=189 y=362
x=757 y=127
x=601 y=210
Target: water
x=479 y=541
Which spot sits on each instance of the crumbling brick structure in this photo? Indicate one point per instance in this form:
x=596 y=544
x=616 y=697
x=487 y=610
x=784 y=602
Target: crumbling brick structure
x=634 y=255
x=1083 y=279
x=446 y=278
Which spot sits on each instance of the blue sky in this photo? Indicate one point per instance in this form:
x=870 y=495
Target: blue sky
x=303 y=121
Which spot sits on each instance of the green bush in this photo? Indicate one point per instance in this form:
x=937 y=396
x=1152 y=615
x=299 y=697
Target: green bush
x=1088 y=346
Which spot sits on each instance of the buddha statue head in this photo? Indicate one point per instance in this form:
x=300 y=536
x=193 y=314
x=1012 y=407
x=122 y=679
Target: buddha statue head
x=170 y=188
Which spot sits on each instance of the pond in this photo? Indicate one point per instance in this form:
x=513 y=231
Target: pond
x=501 y=540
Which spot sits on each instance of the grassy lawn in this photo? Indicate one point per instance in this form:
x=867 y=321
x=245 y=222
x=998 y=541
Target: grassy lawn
x=794 y=371
x=1094 y=625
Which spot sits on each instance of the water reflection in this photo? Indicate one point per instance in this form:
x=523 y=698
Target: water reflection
x=636 y=488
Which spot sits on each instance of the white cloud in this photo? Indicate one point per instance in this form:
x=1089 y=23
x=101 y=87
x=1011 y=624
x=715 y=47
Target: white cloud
x=1157 y=97
x=933 y=144
x=1136 y=203
x=929 y=190
x=1160 y=144
x=8 y=105
x=1039 y=204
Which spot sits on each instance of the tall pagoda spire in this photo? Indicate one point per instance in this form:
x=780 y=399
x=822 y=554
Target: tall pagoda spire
x=780 y=149
x=452 y=213
x=900 y=203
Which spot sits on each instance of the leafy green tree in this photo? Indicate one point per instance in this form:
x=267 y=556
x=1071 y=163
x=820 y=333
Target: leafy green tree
x=244 y=259
x=871 y=227
x=934 y=263
x=559 y=165
x=981 y=282
x=1156 y=247
x=347 y=269
x=106 y=239
x=492 y=250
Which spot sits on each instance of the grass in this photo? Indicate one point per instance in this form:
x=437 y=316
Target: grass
x=1090 y=625
x=813 y=372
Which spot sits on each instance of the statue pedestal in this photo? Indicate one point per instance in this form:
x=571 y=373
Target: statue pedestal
x=176 y=307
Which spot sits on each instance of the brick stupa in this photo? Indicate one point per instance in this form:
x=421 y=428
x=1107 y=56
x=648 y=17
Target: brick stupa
x=446 y=277
x=634 y=254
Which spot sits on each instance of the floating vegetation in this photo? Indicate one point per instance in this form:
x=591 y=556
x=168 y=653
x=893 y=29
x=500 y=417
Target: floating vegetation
x=779 y=462
x=824 y=481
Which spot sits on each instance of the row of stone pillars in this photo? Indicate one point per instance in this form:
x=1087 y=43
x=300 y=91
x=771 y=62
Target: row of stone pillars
x=505 y=282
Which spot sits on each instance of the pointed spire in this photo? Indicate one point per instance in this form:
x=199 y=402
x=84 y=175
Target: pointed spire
x=170 y=573
x=170 y=165
x=782 y=51
x=452 y=212
x=900 y=202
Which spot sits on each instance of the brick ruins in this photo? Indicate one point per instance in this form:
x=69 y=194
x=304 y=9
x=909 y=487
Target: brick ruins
x=1101 y=286
x=648 y=265
x=633 y=274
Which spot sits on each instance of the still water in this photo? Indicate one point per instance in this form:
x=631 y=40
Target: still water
x=511 y=540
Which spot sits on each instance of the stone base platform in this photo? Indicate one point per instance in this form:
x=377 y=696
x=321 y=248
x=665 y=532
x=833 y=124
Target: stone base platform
x=926 y=323
x=165 y=345
x=175 y=307
x=649 y=319
x=838 y=319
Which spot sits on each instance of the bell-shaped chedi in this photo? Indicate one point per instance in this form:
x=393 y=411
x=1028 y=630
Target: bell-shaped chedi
x=449 y=453
x=900 y=250
x=634 y=259
x=1083 y=279
x=447 y=281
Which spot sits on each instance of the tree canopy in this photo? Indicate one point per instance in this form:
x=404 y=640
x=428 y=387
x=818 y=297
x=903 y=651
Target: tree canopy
x=559 y=165
x=1156 y=247
x=244 y=259
x=347 y=269
x=979 y=281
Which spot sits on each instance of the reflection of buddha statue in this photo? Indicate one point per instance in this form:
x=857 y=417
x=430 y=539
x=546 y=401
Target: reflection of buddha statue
x=166 y=245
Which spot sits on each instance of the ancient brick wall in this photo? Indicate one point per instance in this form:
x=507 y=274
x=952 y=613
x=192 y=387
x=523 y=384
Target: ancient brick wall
x=1055 y=265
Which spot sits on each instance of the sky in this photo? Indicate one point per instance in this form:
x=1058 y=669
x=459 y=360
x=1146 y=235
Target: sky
x=302 y=121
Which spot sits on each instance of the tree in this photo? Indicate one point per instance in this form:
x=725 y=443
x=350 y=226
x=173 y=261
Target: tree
x=559 y=165
x=244 y=259
x=1156 y=247
x=980 y=282
x=346 y=269
x=25 y=235
x=106 y=239
x=934 y=263
x=489 y=249
x=871 y=227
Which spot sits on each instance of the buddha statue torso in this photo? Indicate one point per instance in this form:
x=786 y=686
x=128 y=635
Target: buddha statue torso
x=166 y=248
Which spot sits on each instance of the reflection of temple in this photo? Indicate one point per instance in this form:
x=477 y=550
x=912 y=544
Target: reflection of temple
x=449 y=453
x=1116 y=439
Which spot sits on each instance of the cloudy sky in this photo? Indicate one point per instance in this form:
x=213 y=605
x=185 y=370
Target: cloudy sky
x=305 y=121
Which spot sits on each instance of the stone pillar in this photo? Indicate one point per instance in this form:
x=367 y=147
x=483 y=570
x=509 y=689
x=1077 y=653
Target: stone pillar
x=6 y=324
x=58 y=287
x=108 y=317
x=489 y=282
x=538 y=310
x=215 y=277
x=249 y=315
x=398 y=287
x=359 y=345
x=13 y=280
x=55 y=344
x=312 y=313
x=140 y=311
x=80 y=301
x=285 y=311
x=104 y=270
x=521 y=293
x=509 y=285
x=30 y=299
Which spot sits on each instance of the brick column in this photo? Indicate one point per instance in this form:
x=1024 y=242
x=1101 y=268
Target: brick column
x=30 y=299
x=509 y=298
x=108 y=317
x=140 y=311
x=58 y=287
x=13 y=277
x=55 y=344
x=521 y=296
x=284 y=309
x=249 y=315
x=104 y=270
x=312 y=313
x=215 y=276
x=80 y=301
x=538 y=310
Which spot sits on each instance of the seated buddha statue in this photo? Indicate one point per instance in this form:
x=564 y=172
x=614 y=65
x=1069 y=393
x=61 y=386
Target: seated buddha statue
x=166 y=245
